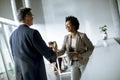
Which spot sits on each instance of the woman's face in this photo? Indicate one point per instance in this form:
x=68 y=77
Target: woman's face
x=70 y=27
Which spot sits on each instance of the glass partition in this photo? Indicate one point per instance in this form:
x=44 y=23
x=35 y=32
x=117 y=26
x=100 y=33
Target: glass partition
x=6 y=61
x=3 y=75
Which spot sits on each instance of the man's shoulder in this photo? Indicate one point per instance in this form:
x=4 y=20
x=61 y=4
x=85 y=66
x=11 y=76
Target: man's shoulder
x=26 y=28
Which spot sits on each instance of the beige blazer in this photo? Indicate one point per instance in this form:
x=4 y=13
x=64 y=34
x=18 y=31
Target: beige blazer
x=83 y=45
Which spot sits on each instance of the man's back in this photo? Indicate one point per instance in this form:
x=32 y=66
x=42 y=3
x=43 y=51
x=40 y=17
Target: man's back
x=23 y=44
x=28 y=49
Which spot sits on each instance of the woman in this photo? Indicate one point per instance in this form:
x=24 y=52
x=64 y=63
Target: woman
x=77 y=46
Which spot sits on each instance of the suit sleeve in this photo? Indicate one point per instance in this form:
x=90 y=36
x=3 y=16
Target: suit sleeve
x=88 y=45
x=42 y=48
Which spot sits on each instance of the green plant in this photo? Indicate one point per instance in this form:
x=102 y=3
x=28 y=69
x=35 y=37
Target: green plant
x=103 y=29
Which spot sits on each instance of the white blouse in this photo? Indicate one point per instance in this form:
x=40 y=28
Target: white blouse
x=73 y=43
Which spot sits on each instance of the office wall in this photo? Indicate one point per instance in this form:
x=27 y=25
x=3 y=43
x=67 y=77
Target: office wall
x=6 y=9
x=37 y=10
x=92 y=14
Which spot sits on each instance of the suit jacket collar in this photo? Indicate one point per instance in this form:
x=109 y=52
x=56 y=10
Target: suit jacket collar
x=24 y=25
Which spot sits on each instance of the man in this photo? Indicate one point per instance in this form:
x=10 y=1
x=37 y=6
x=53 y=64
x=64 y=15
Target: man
x=28 y=49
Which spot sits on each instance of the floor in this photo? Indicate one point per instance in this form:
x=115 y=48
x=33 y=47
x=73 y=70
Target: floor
x=104 y=62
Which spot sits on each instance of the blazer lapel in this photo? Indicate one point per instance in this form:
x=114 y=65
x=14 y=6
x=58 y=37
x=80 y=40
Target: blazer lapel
x=78 y=41
x=69 y=42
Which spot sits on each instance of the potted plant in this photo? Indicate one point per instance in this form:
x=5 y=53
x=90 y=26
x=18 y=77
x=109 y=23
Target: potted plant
x=104 y=32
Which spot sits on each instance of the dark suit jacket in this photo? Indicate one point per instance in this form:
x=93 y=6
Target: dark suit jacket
x=28 y=49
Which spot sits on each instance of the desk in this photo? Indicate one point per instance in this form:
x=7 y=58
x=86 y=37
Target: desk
x=104 y=63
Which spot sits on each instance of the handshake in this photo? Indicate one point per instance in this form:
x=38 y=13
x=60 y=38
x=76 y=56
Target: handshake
x=53 y=46
x=71 y=55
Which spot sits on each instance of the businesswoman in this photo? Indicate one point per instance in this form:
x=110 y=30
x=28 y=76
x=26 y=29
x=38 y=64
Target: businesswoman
x=77 y=46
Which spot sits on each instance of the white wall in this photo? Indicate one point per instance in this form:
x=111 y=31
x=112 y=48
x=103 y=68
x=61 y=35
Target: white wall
x=6 y=9
x=37 y=10
x=92 y=14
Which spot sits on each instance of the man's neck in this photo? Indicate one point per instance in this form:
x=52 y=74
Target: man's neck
x=25 y=23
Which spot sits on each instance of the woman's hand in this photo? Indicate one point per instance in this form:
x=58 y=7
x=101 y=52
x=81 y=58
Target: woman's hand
x=80 y=56
x=75 y=56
